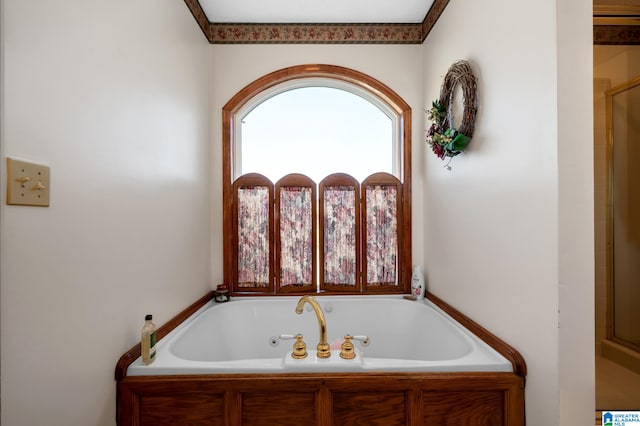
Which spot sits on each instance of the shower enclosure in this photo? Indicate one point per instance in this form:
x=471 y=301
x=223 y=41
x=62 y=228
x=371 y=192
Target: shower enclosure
x=623 y=218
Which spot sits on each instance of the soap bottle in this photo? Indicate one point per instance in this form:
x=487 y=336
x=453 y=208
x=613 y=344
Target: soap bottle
x=417 y=283
x=148 y=340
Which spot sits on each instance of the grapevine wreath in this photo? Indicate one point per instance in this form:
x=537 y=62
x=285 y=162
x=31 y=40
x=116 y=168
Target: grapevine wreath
x=444 y=140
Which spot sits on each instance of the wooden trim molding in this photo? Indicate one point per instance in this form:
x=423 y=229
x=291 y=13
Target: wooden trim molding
x=616 y=34
x=316 y=33
x=200 y=17
x=615 y=9
x=432 y=17
x=132 y=354
x=503 y=348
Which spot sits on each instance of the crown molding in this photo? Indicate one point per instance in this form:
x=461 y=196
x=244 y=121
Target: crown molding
x=432 y=17
x=617 y=20
x=616 y=10
x=199 y=16
x=616 y=34
x=315 y=33
x=320 y=33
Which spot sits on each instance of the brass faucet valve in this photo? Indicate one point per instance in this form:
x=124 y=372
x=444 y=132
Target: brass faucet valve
x=347 y=351
x=323 y=348
x=299 y=348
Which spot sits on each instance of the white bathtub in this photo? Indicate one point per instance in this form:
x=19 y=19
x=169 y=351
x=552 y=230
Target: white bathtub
x=241 y=336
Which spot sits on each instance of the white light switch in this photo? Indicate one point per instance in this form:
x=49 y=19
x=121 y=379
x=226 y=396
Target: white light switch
x=27 y=183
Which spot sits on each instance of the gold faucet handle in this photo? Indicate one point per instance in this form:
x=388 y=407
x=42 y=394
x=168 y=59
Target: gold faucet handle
x=347 y=351
x=362 y=339
x=299 y=348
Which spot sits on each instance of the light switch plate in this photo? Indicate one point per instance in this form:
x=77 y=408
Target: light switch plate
x=27 y=183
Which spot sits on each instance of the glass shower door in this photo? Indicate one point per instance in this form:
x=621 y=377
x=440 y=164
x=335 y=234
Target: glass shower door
x=623 y=119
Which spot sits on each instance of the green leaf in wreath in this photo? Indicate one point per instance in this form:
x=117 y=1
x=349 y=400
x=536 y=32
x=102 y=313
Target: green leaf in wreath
x=450 y=132
x=460 y=142
x=436 y=105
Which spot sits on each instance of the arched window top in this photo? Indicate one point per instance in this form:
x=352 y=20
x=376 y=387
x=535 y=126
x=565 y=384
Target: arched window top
x=316 y=126
x=317 y=81
x=317 y=75
x=303 y=75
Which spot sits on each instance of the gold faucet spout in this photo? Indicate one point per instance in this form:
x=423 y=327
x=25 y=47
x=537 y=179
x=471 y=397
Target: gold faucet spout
x=324 y=350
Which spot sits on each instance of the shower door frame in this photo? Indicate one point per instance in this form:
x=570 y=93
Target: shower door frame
x=610 y=313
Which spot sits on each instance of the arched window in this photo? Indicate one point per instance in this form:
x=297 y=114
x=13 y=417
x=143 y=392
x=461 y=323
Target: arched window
x=298 y=126
x=317 y=184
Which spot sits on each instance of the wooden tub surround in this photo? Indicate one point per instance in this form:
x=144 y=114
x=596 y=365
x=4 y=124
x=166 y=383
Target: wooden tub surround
x=324 y=399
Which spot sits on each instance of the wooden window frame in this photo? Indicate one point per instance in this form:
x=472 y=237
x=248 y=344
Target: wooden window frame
x=355 y=78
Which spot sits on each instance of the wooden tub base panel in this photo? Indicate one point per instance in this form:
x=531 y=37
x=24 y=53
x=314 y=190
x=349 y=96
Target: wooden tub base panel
x=386 y=399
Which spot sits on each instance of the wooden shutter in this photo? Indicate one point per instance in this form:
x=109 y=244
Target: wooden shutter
x=382 y=233
x=253 y=234
x=295 y=234
x=340 y=233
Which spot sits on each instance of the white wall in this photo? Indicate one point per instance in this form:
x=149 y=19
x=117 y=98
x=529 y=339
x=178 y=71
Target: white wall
x=501 y=242
x=576 y=263
x=113 y=97
x=235 y=66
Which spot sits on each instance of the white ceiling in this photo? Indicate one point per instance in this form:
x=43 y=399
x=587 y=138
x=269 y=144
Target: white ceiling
x=310 y=11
